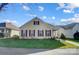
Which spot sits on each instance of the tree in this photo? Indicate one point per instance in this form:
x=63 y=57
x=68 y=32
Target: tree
x=2 y=5
x=76 y=35
x=62 y=36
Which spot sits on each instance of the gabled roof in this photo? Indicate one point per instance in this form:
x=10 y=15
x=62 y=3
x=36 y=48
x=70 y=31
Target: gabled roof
x=8 y=25
x=36 y=18
x=69 y=26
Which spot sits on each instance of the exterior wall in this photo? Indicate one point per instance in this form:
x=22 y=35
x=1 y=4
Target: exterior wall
x=9 y=32
x=70 y=32
x=14 y=32
x=40 y=37
x=58 y=32
x=76 y=28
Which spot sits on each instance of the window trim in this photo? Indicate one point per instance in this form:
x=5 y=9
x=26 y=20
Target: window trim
x=47 y=32
x=40 y=33
x=35 y=22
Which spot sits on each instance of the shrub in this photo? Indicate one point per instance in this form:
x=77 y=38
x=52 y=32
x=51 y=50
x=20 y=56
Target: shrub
x=76 y=35
x=15 y=37
x=54 y=38
x=62 y=36
x=1 y=35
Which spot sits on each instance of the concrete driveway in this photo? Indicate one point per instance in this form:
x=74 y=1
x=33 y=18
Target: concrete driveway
x=19 y=51
x=25 y=51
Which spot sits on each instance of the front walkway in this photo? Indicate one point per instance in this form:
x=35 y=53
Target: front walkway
x=71 y=42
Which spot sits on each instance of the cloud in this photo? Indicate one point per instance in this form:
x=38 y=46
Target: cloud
x=67 y=11
x=44 y=17
x=70 y=20
x=68 y=7
x=47 y=17
x=11 y=21
x=32 y=15
x=53 y=17
x=76 y=15
x=25 y=7
x=7 y=20
x=40 y=8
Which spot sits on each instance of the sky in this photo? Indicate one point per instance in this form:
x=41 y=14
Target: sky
x=53 y=13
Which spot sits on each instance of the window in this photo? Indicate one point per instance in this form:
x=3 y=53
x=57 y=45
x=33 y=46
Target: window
x=26 y=33
x=48 y=32
x=31 y=32
x=36 y=23
x=21 y=32
x=1 y=30
x=40 y=33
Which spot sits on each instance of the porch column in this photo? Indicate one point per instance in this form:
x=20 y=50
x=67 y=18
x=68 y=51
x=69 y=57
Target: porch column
x=4 y=32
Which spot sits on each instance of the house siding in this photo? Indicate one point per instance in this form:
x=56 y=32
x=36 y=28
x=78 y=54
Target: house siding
x=41 y=26
x=15 y=32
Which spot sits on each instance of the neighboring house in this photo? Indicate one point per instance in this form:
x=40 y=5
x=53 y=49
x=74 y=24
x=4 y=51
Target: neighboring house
x=70 y=29
x=8 y=30
x=36 y=28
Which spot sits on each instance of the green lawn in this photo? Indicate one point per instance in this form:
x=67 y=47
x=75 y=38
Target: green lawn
x=30 y=43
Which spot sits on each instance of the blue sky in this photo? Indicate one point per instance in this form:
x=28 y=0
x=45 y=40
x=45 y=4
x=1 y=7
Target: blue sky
x=53 y=13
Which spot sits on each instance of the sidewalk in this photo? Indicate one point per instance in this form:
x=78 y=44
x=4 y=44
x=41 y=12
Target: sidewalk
x=69 y=51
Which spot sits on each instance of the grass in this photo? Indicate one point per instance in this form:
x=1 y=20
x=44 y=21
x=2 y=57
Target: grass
x=30 y=43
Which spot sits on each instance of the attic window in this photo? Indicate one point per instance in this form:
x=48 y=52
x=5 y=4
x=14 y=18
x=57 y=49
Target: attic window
x=36 y=22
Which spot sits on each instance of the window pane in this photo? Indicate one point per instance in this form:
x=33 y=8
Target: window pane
x=21 y=32
x=36 y=23
x=40 y=33
x=31 y=32
x=26 y=33
x=48 y=32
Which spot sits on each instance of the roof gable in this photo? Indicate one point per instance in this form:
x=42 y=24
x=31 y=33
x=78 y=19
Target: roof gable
x=9 y=25
x=38 y=19
x=70 y=26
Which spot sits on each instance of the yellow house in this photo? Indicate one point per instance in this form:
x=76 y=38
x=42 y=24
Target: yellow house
x=8 y=30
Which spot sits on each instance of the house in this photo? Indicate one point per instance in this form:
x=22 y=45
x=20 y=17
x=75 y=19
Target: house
x=70 y=29
x=36 y=28
x=8 y=30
